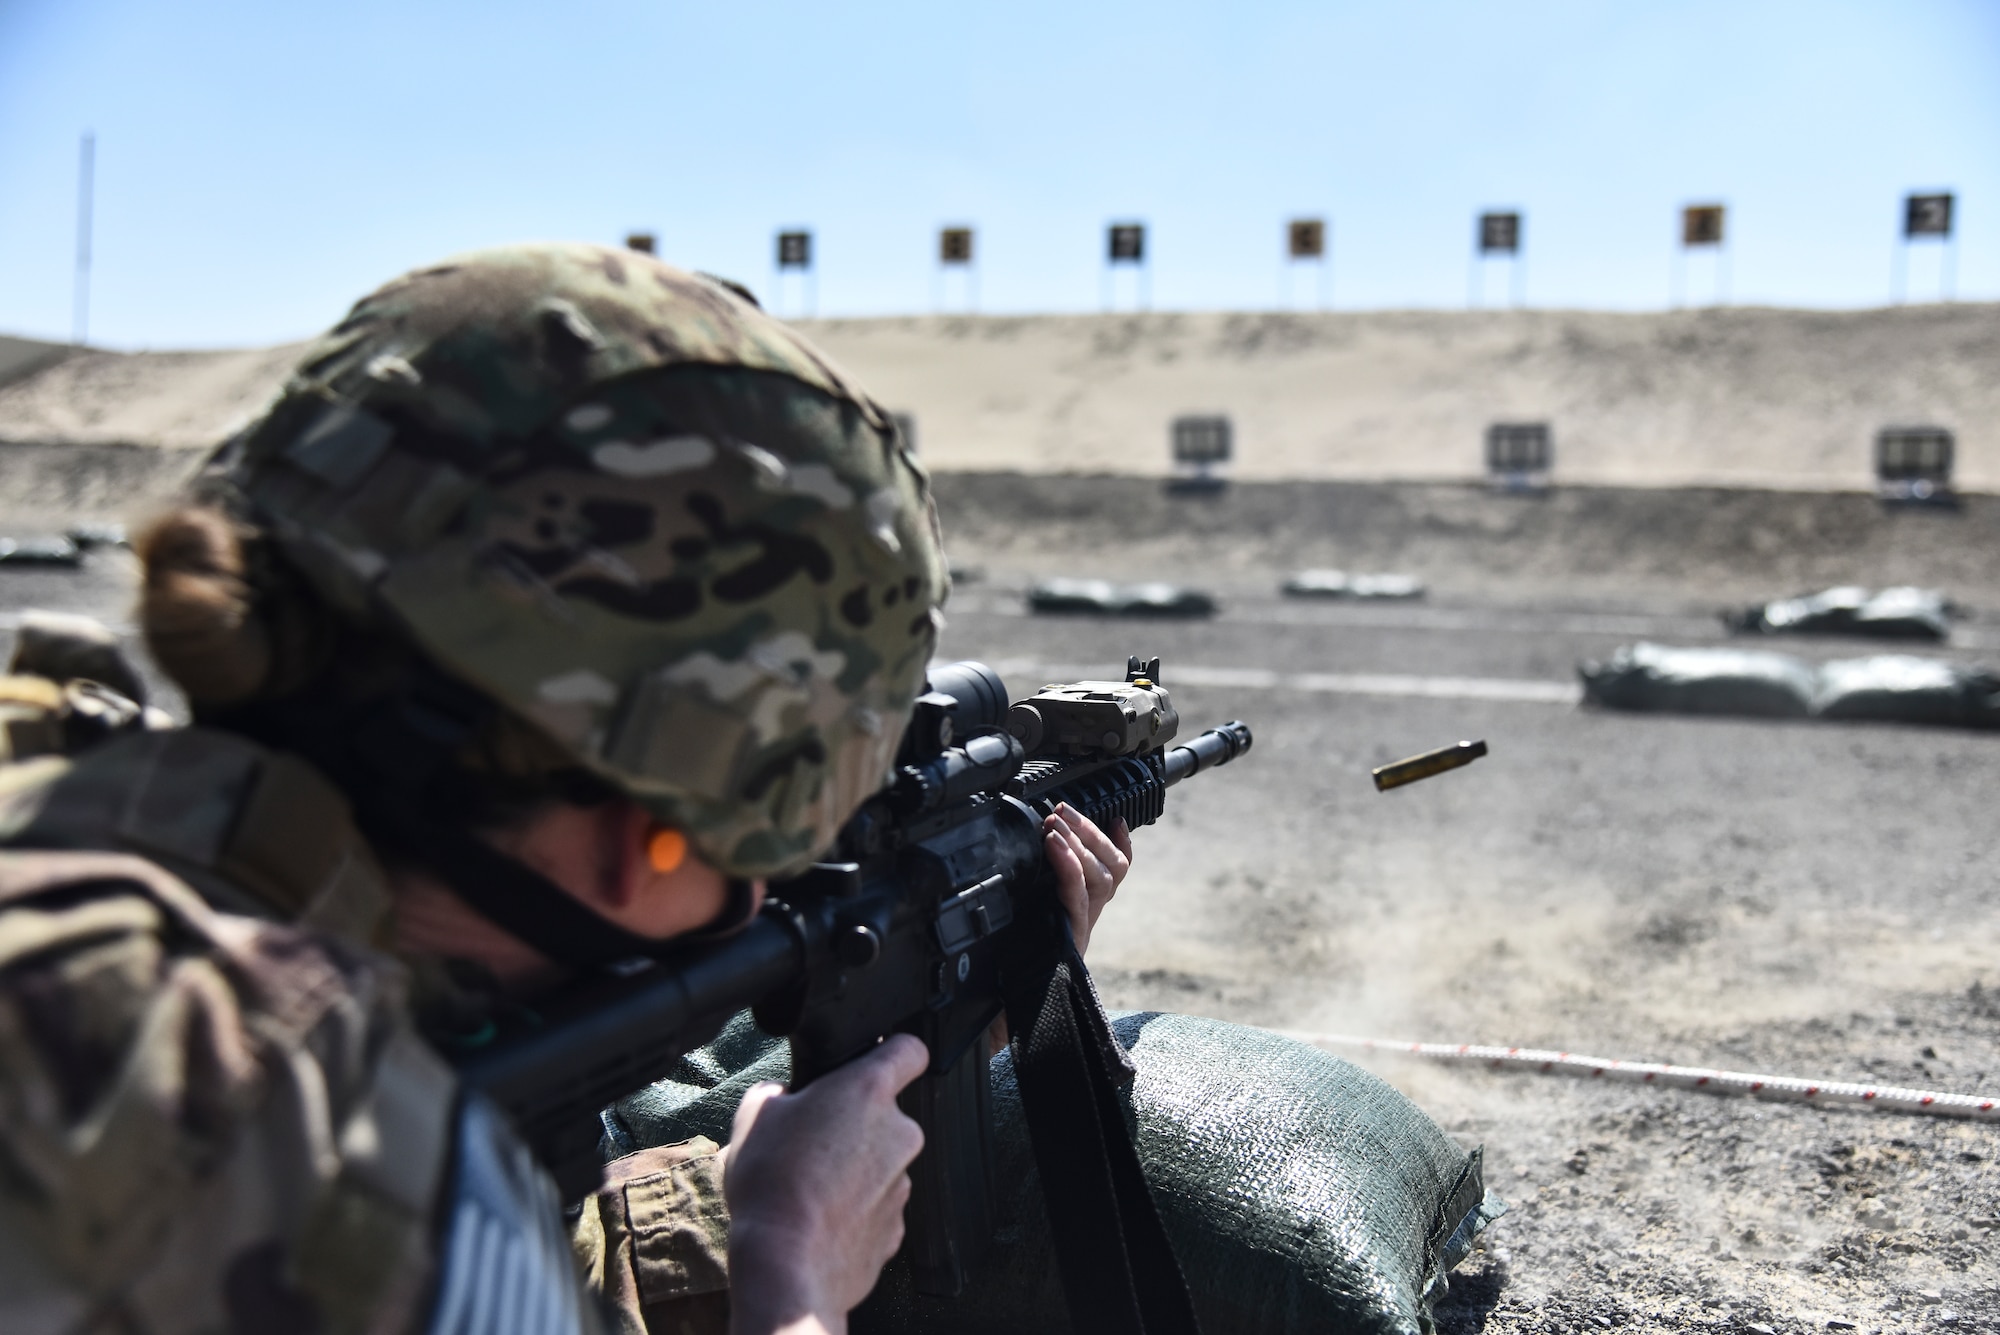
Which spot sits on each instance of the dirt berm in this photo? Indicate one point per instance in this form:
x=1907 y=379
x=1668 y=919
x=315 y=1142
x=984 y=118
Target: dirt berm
x=1723 y=397
x=1731 y=397
x=1604 y=543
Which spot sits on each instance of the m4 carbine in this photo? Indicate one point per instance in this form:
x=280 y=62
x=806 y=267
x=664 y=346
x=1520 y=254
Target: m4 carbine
x=937 y=912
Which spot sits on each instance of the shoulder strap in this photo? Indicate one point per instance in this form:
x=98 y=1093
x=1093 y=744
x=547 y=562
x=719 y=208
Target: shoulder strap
x=254 y=831
x=1118 y=1268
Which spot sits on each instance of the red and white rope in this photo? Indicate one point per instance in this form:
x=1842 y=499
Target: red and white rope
x=1778 y=1088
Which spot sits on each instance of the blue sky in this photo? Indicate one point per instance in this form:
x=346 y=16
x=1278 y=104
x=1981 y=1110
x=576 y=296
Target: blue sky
x=260 y=165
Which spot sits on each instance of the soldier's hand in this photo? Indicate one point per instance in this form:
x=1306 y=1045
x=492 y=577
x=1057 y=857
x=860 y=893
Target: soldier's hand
x=816 y=1183
x=1089 y=866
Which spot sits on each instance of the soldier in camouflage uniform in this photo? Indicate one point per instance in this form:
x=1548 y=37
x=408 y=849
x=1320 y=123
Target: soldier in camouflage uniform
x=560 y=598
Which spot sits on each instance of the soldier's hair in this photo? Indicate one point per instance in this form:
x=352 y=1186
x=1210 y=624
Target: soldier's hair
x=209 y=624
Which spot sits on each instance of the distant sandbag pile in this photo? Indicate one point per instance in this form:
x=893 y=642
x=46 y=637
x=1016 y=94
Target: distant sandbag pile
x=47 y=550
x=1103 y=598
x=64 y=550
x=1341 y=584
x=1901 y=613
x=1756 y=683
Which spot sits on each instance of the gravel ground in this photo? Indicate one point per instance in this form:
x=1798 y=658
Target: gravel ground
x=1805 y=899
x=1801 y=899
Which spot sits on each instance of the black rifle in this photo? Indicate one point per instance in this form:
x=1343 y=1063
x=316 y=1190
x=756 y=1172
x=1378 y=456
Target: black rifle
x=937 y=912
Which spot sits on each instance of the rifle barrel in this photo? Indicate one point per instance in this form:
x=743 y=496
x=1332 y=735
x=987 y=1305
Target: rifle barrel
x=1217 y=746
x=594 y=1048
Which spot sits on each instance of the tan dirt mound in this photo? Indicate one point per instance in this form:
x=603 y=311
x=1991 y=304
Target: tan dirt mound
x=1734 y=397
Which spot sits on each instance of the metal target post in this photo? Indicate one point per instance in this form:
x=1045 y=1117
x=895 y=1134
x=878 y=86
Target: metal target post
x=1926 y=216
x=1306 y=242
x=1497 y=235
x=795 y=252
x=1702 y=227
x=86 y=180
x=1125 y=243
x=956 y=251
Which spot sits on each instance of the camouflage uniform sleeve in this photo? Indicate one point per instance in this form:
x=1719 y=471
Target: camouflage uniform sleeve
x=654 y=1241
x=207 y=1123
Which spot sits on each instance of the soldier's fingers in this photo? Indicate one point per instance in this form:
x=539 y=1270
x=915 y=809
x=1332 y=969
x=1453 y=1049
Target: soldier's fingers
x=878 y=1077
x=1070 y=887
x=886 y=1222
x=901 y=1058
x=1064 y=861
x=749 y=1110
x=1114 y=859
x=1096 y=877
x=868 y=1085
x=1098 y=880
x=1121 y=835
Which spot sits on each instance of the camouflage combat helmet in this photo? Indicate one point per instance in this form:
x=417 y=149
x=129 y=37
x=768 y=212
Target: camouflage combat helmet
x=636 y=511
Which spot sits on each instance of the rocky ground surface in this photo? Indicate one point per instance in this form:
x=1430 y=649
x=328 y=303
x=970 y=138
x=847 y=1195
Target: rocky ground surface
x=1807 y=899
x=1810 y=899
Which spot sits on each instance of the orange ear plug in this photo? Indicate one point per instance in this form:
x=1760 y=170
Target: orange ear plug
x=666 y=850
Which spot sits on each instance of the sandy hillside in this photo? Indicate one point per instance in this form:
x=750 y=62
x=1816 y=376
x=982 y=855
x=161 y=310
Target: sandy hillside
x=1732 y=397
x=90 y=396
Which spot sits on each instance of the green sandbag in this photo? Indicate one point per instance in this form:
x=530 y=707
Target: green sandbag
x=1302 y=1193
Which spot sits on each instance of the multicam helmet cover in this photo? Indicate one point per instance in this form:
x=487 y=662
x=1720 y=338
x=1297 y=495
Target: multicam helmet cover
x=635 y=510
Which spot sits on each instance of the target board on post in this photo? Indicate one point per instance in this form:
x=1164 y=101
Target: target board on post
x=1499 y=234
x=1927 y=218
x=1305 y=243
x=1927 y=215
x=1496 y=237
x=1701 y=225
x=795 y=255
x=1125 y=246
x=955 y=267
x=795 y=250
x=1203 y=444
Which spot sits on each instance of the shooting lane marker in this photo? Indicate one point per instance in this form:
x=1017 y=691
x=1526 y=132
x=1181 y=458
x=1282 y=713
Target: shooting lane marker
x=1701 y=1079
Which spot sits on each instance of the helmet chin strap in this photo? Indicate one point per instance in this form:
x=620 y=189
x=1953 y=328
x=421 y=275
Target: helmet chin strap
x=535 y=910
x=526 y=904
x=520 y=900
x=395 y=755
x=736 y=914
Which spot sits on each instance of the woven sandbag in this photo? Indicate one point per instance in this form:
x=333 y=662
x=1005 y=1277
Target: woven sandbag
x=1751 y=683
x=1301 y=1193
x=1900 y=688
x=1901 y=613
